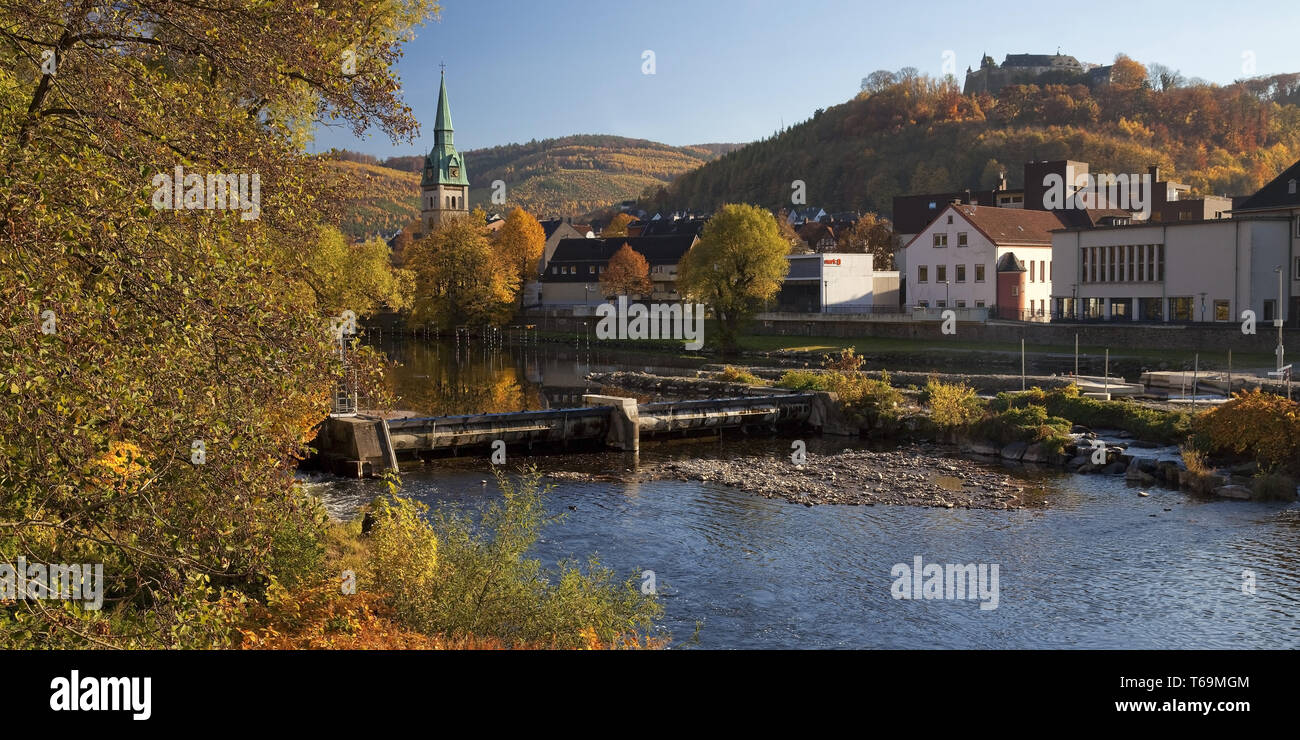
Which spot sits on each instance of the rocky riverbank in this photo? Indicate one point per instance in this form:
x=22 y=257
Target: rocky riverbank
x=916 y=475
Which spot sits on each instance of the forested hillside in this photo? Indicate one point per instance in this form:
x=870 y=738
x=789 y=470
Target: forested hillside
x=914 y=134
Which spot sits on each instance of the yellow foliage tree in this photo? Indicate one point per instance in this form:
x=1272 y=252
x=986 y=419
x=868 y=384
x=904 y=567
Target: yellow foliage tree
x=618 y=225
x=520 y=241
x=459 y=278
x=738 y=264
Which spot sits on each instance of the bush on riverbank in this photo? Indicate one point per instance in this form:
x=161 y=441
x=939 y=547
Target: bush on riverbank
x=869 y=399
x=1155 y=425
x=1030 y=424
x=729 y=374
x=953 y=405
x=1261 y=425
x=455 y=582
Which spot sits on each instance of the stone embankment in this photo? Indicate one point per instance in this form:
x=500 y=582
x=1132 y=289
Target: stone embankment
x=916 y=475
x=1123 y=455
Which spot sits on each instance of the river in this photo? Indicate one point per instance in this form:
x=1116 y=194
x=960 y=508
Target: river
x=1098 y=567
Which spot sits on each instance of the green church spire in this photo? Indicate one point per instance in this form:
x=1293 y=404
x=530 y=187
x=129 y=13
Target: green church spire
x=444 y=165
x=442 y=124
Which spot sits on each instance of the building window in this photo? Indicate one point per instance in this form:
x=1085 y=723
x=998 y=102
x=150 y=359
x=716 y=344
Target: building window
x=1149 y=309
x=941 y=303
x=961 y=304
x=591 y=269
x=1032 y=267
x=979 y=304
x=1270 y=309
x=961 y=238
x=1297 y=268
x=923 y=304
x=1180 y=308
x=1042 y=270
x=1015 y=291
x=922 y=273
x=979 y=273
x=940 y=273
x=1160 y=263
x=949 y=218
x=1119 y=308
x=940 y=240
x=961 y=273
x=1221 y=312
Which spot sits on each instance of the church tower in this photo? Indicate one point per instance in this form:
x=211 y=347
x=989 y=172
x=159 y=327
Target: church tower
x=444 y=187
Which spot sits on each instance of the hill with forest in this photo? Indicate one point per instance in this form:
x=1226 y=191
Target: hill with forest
x=377 y=199
x=907 y=133
x=572 y=175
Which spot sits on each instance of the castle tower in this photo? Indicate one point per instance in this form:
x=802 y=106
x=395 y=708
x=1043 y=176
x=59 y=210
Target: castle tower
x=444 y=187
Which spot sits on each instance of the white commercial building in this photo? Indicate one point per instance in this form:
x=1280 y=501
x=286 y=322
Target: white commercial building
x=1174 y=271
x=836 y=283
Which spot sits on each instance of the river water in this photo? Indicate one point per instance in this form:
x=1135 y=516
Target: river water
x=1098 y=567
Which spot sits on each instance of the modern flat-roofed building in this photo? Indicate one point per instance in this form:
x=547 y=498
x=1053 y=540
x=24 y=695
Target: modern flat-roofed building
x=1170 y=271
x=836 y=283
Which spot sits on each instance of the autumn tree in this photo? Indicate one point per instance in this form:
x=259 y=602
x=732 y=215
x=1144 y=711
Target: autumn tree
x=627 y=274
x=520 y=241
x=356 y=276
x=618 y=225
x=874 y=235
x=788 y=233
x=1127 y=74
x=459 y=277
x=164 y=368
x=738 y=263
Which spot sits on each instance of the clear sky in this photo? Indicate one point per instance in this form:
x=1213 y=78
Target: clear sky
x=735 y=70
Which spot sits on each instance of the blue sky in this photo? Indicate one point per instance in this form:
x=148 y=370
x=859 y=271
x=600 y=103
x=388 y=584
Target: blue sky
x=734 y=70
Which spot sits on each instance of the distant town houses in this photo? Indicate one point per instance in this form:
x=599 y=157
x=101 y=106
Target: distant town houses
x=1068 y=244
x=572 y=274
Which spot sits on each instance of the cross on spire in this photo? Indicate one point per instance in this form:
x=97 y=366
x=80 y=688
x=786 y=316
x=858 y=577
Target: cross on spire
x=444 y=67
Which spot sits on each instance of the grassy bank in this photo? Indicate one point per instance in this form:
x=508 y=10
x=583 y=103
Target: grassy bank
x=1210 y=357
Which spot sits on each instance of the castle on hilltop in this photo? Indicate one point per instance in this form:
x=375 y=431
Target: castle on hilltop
x=1037 y=69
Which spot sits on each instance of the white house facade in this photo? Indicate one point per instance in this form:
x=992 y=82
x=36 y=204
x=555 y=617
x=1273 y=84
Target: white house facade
x=954 y=262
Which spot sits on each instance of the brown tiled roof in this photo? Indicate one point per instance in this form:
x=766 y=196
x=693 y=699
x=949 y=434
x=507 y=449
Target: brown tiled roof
x=812 y=232
x=1012 y=225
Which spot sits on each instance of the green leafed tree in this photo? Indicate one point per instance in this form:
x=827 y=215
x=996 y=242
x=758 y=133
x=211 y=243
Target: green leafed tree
x=737 y=265
x=459 y=278
x=164 y=368
x=356 y=276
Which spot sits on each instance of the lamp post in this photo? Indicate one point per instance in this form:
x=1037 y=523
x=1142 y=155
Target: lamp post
x=1277 y=319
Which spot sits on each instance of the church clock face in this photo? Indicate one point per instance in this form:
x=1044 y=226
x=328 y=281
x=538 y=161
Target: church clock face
x=454 y=171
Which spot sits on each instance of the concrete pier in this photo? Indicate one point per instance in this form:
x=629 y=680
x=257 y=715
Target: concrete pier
x=365 y=445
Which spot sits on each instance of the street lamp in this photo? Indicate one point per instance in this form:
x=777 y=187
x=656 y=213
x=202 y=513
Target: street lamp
x=1277 y=319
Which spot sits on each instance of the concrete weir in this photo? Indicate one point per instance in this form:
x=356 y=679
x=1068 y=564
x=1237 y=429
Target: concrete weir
x=364 y=444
